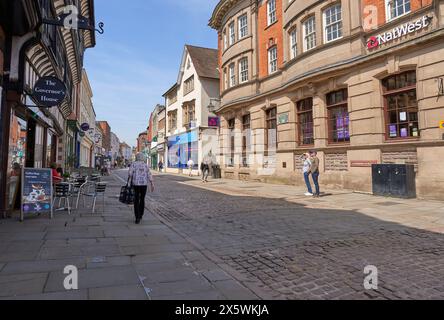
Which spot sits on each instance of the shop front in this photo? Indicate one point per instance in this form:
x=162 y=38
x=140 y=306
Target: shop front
x=182 y=148
x=32 y=144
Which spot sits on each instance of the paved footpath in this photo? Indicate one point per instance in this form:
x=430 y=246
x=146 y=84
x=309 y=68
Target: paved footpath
x=282 y=245
x=116 y=259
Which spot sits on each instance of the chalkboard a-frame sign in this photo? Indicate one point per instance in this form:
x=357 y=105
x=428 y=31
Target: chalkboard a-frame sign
x=36 y=192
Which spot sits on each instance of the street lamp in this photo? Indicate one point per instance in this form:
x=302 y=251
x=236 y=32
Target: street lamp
x=214 y=105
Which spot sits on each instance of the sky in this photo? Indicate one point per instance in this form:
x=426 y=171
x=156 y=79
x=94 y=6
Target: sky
x=138 y=57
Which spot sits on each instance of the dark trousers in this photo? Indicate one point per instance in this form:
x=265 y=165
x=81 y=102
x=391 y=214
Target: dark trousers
x=315 y=177
x=139 y=200
x=205 y=174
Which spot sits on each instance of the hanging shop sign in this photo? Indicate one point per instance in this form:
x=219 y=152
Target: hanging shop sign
x=213 y=122
x=441 y=124
x=85 y=127
x=36 y=191
x=49 y=92
x=375 y=42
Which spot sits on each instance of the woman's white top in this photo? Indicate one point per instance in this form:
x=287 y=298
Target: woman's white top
x=140 y=174
x=307 y=165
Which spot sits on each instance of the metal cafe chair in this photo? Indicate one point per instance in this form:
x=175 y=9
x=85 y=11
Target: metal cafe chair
x=77 y=188
x=62 y=192
x=98 y=191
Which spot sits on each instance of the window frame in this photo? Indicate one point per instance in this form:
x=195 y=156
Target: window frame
x=172 y=118
x=189 y=85
x=243 y=72
x=246 y=130
x=307 y=35
x=270 y=119
x=243 y=29
x=389 y=12
x=189 y=113
x=340 y=22
x=271 y=12
x=299 y=114
x=231 y=34
x=232 y=75
x=232 y=128
x=274 y=61
x=336 y=105
x=293 y=37
x=397 y=92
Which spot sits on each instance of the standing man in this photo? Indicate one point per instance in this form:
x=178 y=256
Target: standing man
x=314 y=170
x=190 y=165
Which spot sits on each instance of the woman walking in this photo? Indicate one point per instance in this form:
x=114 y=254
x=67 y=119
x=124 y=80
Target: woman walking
x=139 y=177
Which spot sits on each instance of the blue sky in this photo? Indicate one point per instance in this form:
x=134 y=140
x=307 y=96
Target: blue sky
x=138 y=57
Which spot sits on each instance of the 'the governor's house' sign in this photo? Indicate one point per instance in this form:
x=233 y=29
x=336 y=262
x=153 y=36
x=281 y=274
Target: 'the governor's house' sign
x=49 y=92
x=398 y=32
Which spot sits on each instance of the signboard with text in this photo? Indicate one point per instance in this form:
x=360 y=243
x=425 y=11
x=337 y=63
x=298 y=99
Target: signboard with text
x=399 y=32
x=36 y=191
x=49 y=92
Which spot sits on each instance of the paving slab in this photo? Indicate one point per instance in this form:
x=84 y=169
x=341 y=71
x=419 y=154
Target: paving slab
x=233 y=290
x=178 y=288
x=96 y=278
x=39 y=266
x=18 y=256
x=25 y=284
x=131 y=292
x=54 y=296
x=212 y=295
x=57 y=235
x=216 y=275
x=103 y=262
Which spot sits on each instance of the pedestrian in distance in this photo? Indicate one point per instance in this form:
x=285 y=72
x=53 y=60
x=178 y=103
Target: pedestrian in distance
x=306 y=172
x=140 y=176
x=160 y=166
x=205 y=168
x=190 y=165
x=314 y=171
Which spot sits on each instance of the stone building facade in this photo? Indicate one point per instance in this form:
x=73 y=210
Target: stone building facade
x=191 y=129
x=360 y=81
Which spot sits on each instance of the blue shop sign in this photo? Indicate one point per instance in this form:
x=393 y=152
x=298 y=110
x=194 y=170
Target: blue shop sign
x=185 y=138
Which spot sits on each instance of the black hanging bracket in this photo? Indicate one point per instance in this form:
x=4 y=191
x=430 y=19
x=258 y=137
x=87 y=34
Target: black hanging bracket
x=75 y=21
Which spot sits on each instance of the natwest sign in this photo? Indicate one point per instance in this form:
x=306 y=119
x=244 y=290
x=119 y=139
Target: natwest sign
x=398 y=32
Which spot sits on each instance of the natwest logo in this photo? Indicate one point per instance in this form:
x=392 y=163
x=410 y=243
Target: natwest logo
x=398 y=32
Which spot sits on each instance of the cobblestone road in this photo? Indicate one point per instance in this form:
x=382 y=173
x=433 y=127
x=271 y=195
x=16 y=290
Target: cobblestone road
x=285 y=250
